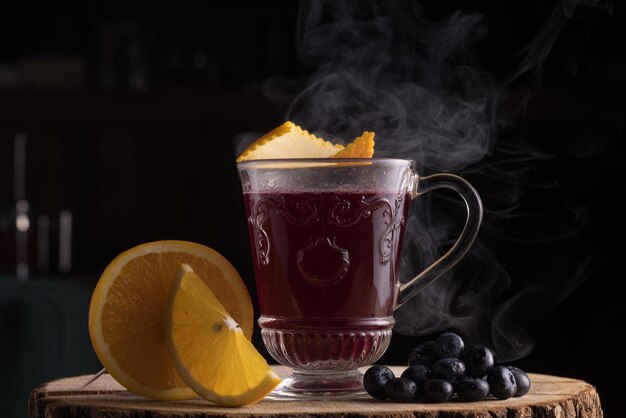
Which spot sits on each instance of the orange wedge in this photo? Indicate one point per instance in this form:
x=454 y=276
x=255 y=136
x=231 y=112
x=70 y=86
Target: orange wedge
x=361 y=147
x=128 y=305
x=209 y=349
x=289 y=141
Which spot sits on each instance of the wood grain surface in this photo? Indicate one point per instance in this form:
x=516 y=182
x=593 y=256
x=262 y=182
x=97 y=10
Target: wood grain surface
x=550 y=396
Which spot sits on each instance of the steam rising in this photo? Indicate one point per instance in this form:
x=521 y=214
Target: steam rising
x=536 y=53
x=382 y=66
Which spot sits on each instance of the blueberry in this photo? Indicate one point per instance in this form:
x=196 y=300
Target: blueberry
x=478 y=360
x=438 y=390
x=451 y=369
x=502 y=382
x=521 y=380
x=400 y=389
x=423 y=354
x=472 y=389
x=449 y=345
x=375 y=379
x=418 y=374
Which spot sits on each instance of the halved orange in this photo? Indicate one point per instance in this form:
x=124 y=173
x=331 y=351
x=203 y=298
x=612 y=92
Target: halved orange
x=128 y=306
x=209 y=349
x=288 y=141
x=361 y=147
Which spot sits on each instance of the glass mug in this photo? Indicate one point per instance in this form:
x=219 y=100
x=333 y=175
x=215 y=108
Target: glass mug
x=326 y=237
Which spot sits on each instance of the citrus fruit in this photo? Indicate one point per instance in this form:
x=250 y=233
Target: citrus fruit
x=288 y=141
x=128 y=305
x=361 y=147
x=208 y=347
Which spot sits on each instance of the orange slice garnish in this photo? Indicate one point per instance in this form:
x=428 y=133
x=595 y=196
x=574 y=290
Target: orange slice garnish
x=288 y=141
x=361 y=147
x=128 y=307
x=209 y=349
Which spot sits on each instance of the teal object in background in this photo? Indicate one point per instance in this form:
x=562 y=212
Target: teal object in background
x=43 y=336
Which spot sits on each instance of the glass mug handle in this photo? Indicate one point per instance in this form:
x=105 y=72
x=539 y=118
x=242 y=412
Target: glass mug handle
x=474 y=208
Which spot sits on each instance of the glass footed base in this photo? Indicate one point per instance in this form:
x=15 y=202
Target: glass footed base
x=320 y=385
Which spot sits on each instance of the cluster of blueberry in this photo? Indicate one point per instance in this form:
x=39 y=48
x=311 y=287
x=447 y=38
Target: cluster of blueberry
x=438 y=369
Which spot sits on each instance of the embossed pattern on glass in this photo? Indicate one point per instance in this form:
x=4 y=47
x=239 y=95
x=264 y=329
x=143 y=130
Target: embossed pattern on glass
x=326 y=237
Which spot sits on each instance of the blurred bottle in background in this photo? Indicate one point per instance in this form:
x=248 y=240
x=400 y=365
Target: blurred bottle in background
x=32 y=243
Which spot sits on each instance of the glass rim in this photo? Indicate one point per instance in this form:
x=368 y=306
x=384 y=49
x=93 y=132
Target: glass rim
x=327 y=161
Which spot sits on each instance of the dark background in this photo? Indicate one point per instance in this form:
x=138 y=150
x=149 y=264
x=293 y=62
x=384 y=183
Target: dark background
x=131 y=111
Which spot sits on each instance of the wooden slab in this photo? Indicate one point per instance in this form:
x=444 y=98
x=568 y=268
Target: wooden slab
x=550 y=396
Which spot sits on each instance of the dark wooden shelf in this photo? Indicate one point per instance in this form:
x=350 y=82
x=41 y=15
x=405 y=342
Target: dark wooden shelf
x=188 y=106
x=222 y=107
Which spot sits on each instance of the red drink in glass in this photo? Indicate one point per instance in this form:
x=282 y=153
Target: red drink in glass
x=326 y=238
x=326 y=261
